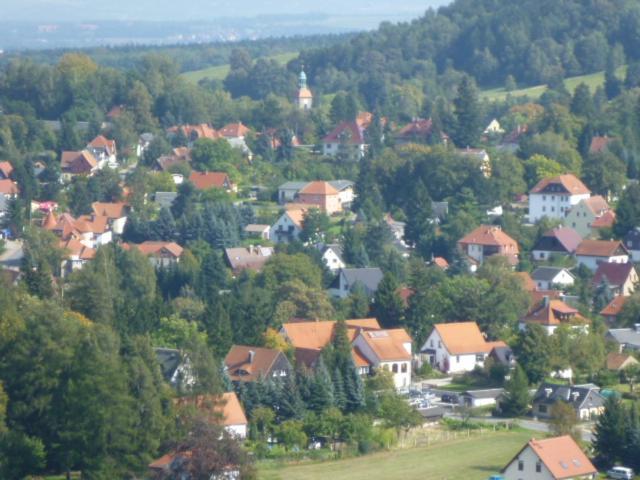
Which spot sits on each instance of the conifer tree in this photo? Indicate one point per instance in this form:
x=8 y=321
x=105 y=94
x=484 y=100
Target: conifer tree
x=610 y=432
x=388 y=307
x=321 y=394
x=516 y=401
x=339 y=396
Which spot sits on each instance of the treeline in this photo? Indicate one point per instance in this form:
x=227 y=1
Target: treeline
x=532 y=41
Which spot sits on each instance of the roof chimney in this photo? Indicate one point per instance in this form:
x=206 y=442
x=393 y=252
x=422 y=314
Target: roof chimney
x=545 y=300
x=252 y=355
x=575 y=396
x=548 y=392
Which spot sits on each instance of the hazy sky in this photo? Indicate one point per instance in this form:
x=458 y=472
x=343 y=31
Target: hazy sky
x=182 y=10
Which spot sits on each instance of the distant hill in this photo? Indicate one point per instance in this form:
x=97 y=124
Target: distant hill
x=536 y=41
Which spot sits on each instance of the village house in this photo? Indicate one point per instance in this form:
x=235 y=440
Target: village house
x=457 y=347
x=179 y=156
x=481 y=156
x=161 y=254
x=225 y=410
x=254 y=230
x=372 y=347
x=194 y=132
x=289 y=225
x=235 y=134
x=632 y=243
x=600 y=144
x=558 y=242
x=585 y=400
x=104 y=151
x=6 y=169
x=551 y=313
x=419 y=130
x=488 y=240
x=613 y=309
x=620 y=277
x=8 y=190
x=115 y=212
x=209 y=180
x=481 y=398
x=554 y=197
x=76 y=255
x=250 y=364
x=558 y=458
x=176 y=368
x=332 y=257
x=626 y=338
x=617 y=362
x=582 y=216
x=591 y=253
x=494 y=128
x=346 y=142
x=321 y=195
x=288 y=191
x=247 y=258
x=348 y=278
x=91 y=230
x=77 y=163
x=547 y=278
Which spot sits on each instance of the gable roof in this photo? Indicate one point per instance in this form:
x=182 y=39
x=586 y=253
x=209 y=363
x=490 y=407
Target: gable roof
x=6 y=169
x=315 y=335
x=561 y=239
x=346 y=132
x=102 y=142
x=601 y=248
x=201 y=130
x=78 y=162
x=245 y=363
x=578 y=396
x=234 y=130
x=625 y=336
x=617 y=361
x=547 y=274
x=296 y=215
x=418 y=127
x=388 y=345
x=252 y=258
x=599 y=144
x=615 y=306
x=226 y=407
x=208 y=180
x=596 y=204
x=111 y=210
x=369 y=277
x=318 y=188
x=8 y=187
x=74 y=248
x=462 y=338
x=562 y=457
x=553 y=312
x=154 y=249
x=489 y=235
x=606 y=220
x=615 y=273
x=567 y=183
x=632 y=239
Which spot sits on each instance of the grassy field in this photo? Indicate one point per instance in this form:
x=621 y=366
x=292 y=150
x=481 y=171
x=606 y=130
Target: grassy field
x=593 y=81
x=472 y=459
x=220 y=71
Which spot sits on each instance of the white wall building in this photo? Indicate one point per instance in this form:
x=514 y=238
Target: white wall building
x=554 y=197
x=389 y=350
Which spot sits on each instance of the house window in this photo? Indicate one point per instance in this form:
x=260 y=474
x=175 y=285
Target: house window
x=544 y=209
x=457 y=358
x=479 y=357
x=403 y=368
x=520 y=465
x=553 y=209
x=439 y=344
x=553 y=198
x=432 y=343
x=394 y=368
x=542 y=408
x=538 y=467
x=544 y=197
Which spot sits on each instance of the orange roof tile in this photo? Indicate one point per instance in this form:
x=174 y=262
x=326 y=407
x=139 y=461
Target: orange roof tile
x=78 y=162
x=615 y=306
x=6 y=169
x=315 y=335
x=527 y=282
x=601 y=248
x=569 y=183
x=243 y=366
x=318 y=188
x=109 y=210
x=234 y=130
x=8 y=187
x=606 y=220
x=157 y=248
x=554 y=312
x=563 y=457
x=616 y=361
x=441 y=263
x=226 y=407
x=201 y=130
x=597 y=204
x=462 y=338
x=75 y=248
x=388 y=345
x=490 y=235
x=358 y=358
x=103 y=142
x=208 y=180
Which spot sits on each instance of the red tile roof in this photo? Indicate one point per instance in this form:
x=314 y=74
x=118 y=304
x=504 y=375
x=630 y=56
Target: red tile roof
x=226 y=407
x=318 y=188
x=8 y=187
x=157 y=248
x=569 y=183
x=103 y=142
x=554 y=312
x=78 y=162
x=110 y=210
x=462 y=338
x=388 y=345
x=208 y=180
x=201 y=130
x=347 y=132
x=599 y=144
x=243 y=365
x=6 y=169
x=615 y=306
x=617 y=361
x=563 y=457
x=234 y=130
x=616 y=274
x=489 y=235
x=601 y=248
x=316 y=335
x=606 y=220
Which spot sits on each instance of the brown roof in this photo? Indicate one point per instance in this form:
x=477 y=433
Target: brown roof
x=617 y=361
x=251 y=258
x=8 y=187
x=601 y=248
x=304 y=92
x=569 y=184
x=353 y=131
x=597 y=204
x=388 y=345
x=460 y=338
x=50 y=221
x=616 y=274
x=157 y=248
x=599 y=144
x=244 y=366
x=316 y=335
x=553 y=312
x=318 y=188
x=563 y=457
x=606 y=220
x=201 y=130
x=6 y=168
x=103 y=142
x=208 y=180
x=234 y=130
x=490 y=235
x=227 y=407
x=74 y=248
x=78 y=162
x=417 y=128
x=110 y=210
x=297 y=215
x=615 y=306
x=441 y=263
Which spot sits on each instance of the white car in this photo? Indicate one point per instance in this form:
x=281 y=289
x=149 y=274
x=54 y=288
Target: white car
x=622 y=473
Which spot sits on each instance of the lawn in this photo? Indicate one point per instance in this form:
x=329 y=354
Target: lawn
x=593 y=81
x=219 y=72
x=472 y=459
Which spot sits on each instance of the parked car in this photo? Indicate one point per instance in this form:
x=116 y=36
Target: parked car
x=622 y=473
x=450 y=398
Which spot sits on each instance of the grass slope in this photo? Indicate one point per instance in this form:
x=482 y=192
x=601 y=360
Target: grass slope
x=472 y=459
x=219 y=72
x=593 y=81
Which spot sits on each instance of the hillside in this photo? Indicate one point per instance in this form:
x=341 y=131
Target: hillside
x=533 y=40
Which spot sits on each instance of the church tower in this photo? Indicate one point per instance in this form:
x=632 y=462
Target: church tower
x=305 y=97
